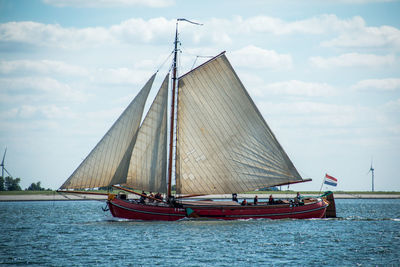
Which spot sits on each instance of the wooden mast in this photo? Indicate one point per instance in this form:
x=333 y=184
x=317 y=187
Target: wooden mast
x=171 y=136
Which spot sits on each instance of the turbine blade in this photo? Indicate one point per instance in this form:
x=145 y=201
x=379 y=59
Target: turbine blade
x=4 y=156
x=7 y=172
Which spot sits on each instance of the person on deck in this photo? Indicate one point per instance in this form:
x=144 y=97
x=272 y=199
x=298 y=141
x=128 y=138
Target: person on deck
x=255 y=200
x=152 y=196
x=297 y=199
x=234 y=197
x=244 y=202
x=159 y=196
x=142 y=197
x=271 y=200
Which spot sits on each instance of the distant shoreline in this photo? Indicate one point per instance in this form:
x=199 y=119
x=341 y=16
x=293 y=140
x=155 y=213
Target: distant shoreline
x=72 y=197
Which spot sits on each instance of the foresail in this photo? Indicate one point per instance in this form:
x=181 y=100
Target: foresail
x=147 y=168
x=224 y=144
x=108 y=162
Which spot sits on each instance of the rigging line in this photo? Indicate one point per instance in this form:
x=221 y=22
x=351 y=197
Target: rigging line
x=187 y=51
x=198 y=56
x=172 y=52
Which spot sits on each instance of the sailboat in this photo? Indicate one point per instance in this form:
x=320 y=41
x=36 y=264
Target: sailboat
x=219 y=143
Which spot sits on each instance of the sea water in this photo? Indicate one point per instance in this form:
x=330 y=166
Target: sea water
x=79 y=233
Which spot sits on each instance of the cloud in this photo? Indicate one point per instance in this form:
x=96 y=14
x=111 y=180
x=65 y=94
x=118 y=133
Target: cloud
x=41 y=67
x=362 y=37
x=134 y=30
x=353 y=60
x=255 y=57
x=393 y=106
x=110 y=3
x=300 y=88
x=120 y=76
x=313 y=114
x=352 y=32
x=265 y=24
x=38 y=87
x=46 y=111
x=390 y=84
x=53 y=35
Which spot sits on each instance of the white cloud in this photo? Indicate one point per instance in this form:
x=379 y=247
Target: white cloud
x=353 y=60
x=41 y=67
x=53 y=34
x=110 y=3
x=352 y=32
x=384 y=36
x=120 y=76
x=33 y=112
x=134 y=30
x=313 y=114
x=39 y=87
x=392 y=106
x=300 y=88
x=46 y=111
x=255 y=57
x=265 y=24
x=389 y=84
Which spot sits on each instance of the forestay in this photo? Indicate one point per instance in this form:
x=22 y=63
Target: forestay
x=108 y=162
x=147 y=169
x=223 y=143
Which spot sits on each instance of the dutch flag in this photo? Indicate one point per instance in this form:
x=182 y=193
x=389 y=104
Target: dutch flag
x=329 y=180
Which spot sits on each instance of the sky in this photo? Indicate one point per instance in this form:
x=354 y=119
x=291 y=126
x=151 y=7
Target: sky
x=324 y=74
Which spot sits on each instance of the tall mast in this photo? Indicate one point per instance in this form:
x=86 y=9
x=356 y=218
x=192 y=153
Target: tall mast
x=171 y=136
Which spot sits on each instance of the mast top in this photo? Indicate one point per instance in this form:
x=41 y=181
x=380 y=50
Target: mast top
x=182 y=19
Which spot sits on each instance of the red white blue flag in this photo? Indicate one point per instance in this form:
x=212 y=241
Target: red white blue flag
x=329 y=180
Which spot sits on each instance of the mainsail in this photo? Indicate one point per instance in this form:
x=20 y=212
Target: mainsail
x=223 y=143
x=147 y=169
x=108 y=162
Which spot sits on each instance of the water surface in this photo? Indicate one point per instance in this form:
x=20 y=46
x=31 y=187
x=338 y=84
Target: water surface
x=79 y=233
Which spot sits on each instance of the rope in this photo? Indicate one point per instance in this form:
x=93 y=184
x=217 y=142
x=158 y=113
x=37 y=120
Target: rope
x=165 y=61
x=200 y=57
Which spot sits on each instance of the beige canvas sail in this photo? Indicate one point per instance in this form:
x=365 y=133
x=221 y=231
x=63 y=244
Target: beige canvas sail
x=108 y=162
x=223 y=143
x=147 y=169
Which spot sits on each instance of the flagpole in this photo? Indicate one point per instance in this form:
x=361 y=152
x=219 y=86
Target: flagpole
x=322 y=184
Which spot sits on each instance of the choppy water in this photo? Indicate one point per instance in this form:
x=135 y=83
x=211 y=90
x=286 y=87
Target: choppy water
x=79 y=233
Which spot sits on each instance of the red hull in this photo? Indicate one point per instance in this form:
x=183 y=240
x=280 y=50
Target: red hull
x=131 y=210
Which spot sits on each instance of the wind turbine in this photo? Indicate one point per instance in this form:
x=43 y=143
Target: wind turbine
x=371 y=170
x=3 y=168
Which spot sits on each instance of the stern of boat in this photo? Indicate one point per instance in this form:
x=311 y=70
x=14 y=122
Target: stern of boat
x=331 y=209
